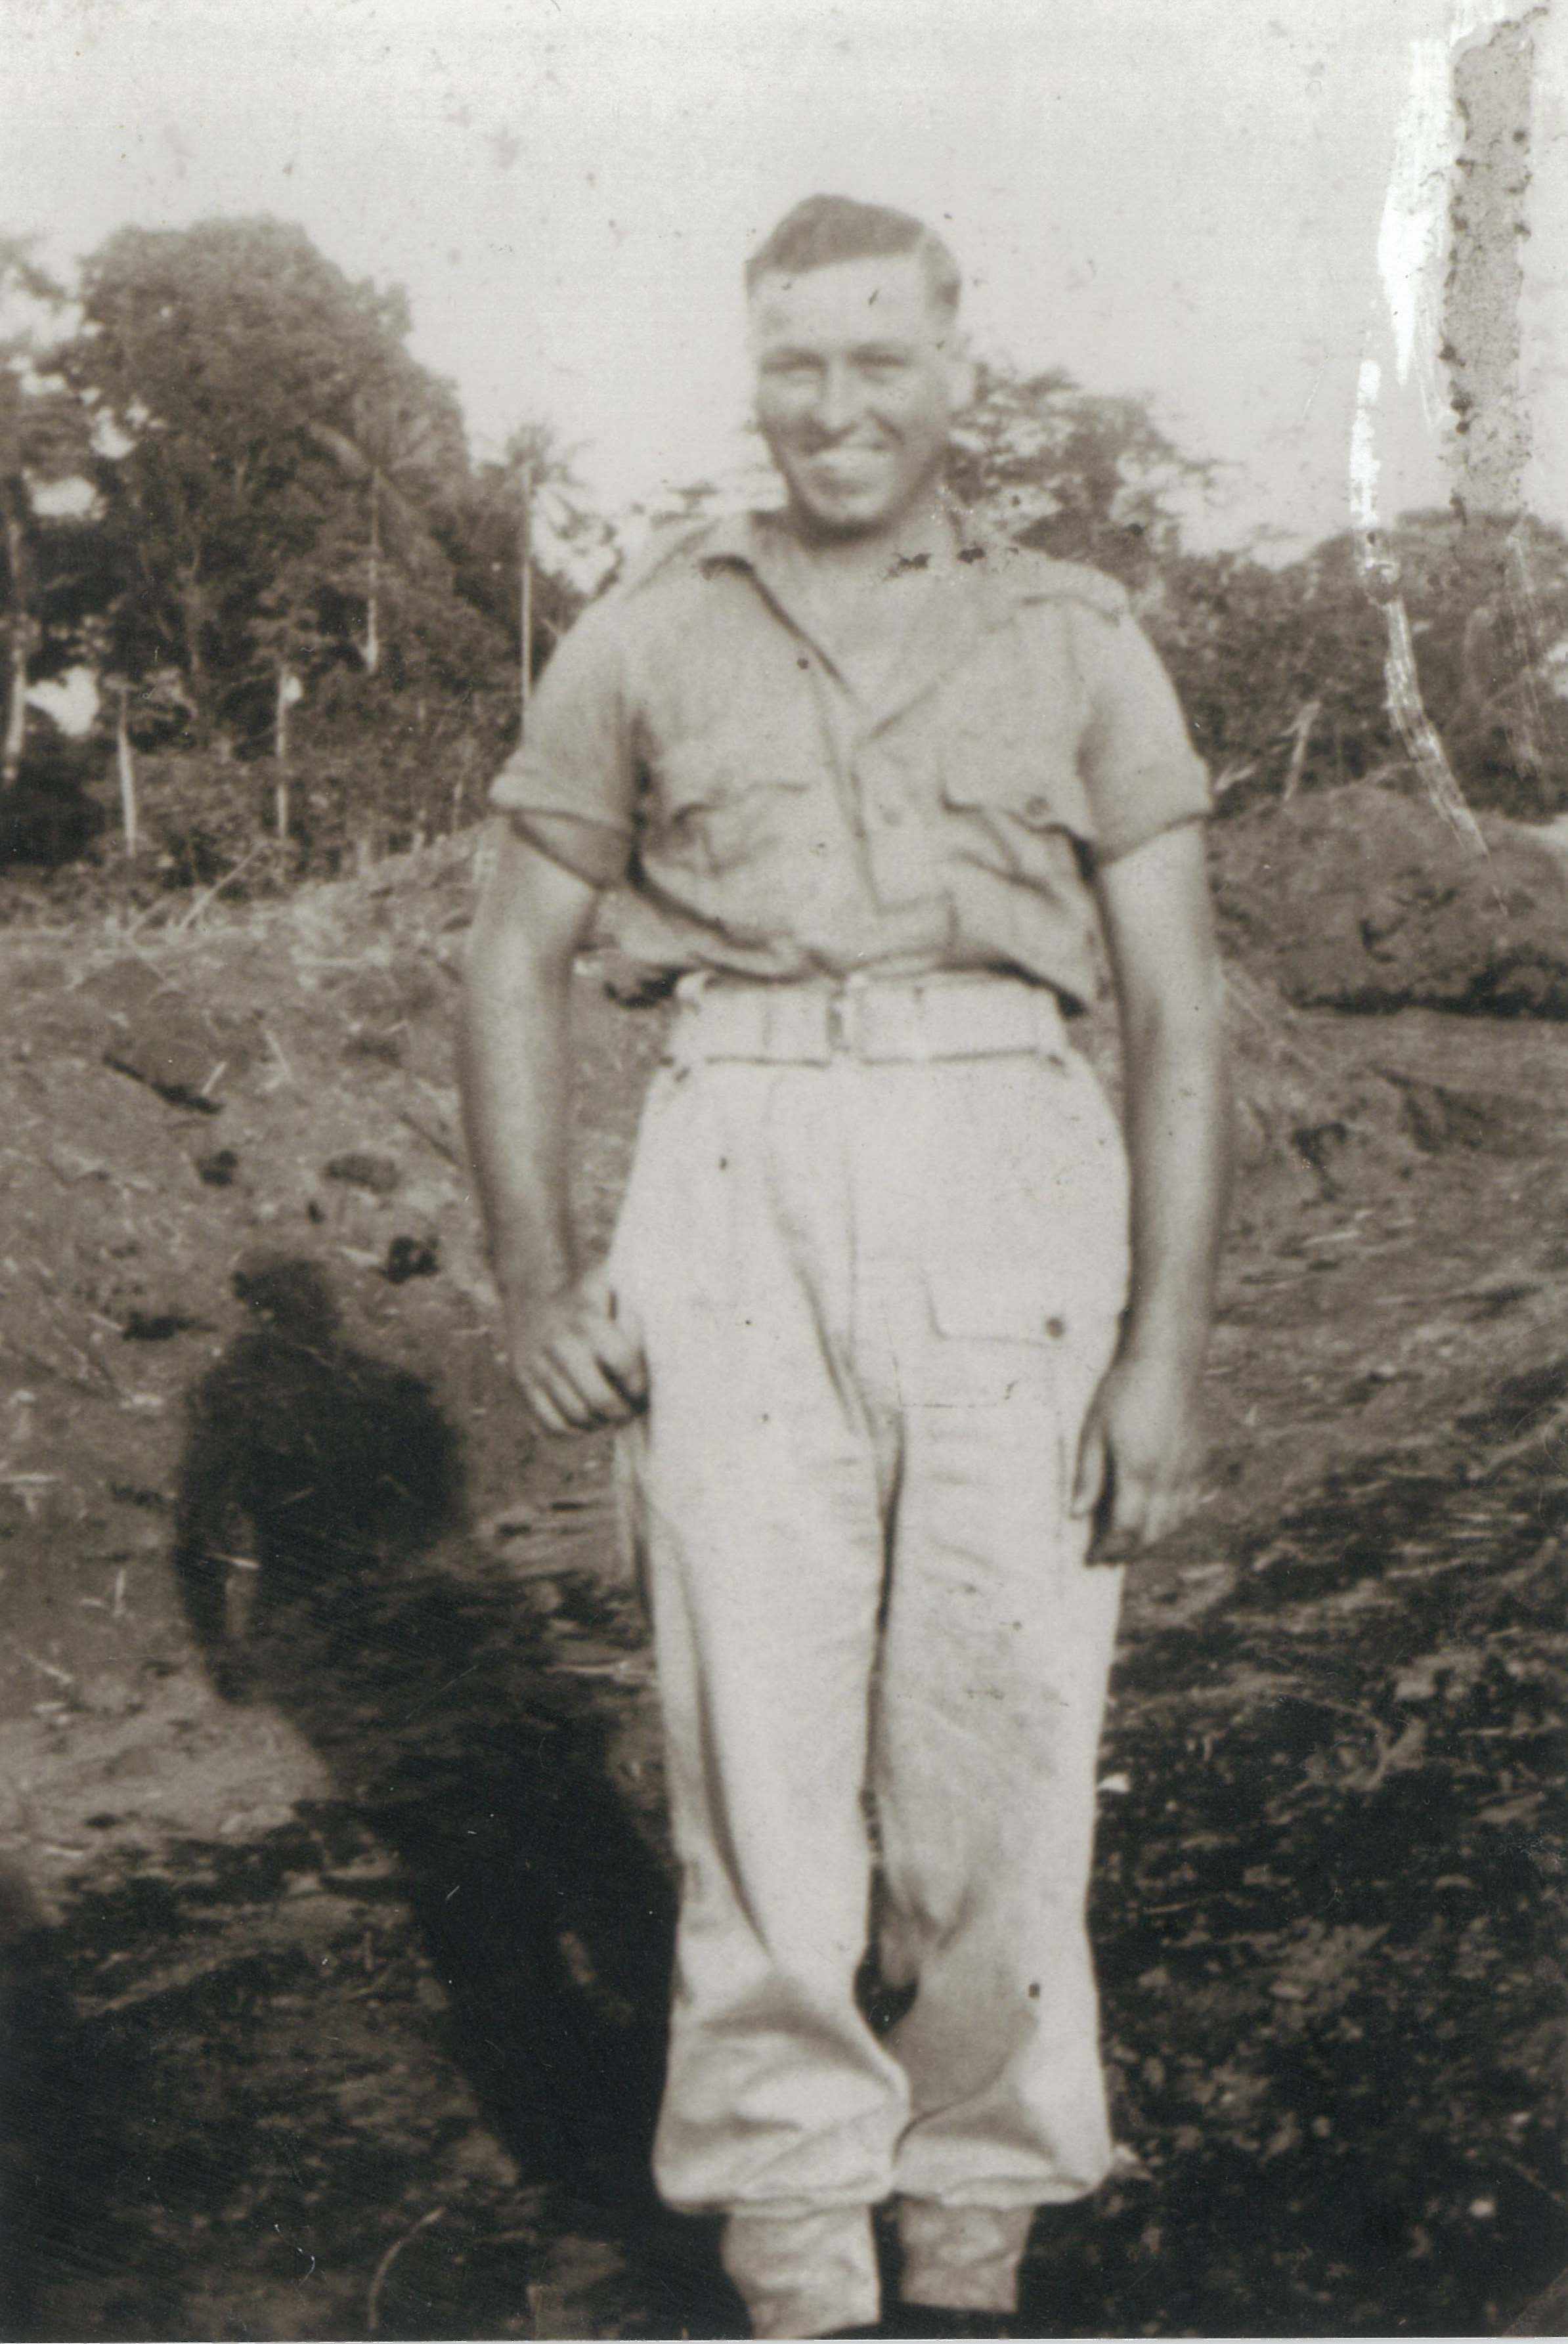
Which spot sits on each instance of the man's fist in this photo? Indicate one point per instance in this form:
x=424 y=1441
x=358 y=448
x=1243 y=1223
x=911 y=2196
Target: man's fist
x=578 y=1359
x=1139 y=1457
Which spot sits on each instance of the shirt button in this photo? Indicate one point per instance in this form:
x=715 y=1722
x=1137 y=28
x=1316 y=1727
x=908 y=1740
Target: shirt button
x=1037 y=809
x=892 y=816
x=1055 y=1327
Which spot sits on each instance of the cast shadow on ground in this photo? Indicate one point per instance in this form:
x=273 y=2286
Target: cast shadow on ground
x=541 y=1903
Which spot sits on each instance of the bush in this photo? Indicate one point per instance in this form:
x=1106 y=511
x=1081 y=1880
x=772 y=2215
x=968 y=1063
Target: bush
x=356 y=793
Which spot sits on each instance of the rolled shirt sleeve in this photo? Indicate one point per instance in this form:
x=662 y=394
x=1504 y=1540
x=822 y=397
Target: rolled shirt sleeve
x=1140 y=772
x=571 y=785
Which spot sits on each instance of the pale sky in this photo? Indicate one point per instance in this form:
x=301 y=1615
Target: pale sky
x=1179 y=198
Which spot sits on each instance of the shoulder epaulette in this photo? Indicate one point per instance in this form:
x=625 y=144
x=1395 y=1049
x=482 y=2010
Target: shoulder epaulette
x=1041 y=577
x=666 y=544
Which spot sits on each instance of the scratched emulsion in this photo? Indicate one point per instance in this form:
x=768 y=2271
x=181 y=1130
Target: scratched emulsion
x=1492 y=90
x=1489 y=179
x=1491 y=82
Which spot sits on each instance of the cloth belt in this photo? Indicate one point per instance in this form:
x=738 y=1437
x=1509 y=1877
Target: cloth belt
x=948 y=1015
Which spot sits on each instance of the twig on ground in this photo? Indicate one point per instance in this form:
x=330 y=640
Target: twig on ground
x=194 y=910
x=61 y=1676
x=106 y=1389
x=431 y=1138
x=374 y=2300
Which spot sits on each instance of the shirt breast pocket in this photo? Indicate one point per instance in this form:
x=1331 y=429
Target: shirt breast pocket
x=723 y=806
x=1023 y=789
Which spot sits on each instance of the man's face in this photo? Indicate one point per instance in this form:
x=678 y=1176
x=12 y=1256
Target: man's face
x=857 y=383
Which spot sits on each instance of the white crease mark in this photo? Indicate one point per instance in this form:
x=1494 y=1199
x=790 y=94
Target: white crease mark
x=1413 y=236
x=1364 y=466
x=1412 y=254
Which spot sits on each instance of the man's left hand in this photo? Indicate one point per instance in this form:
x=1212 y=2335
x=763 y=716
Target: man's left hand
x=1139 y=1457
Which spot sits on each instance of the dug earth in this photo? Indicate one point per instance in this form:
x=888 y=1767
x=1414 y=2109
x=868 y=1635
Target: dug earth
x=333 y=1938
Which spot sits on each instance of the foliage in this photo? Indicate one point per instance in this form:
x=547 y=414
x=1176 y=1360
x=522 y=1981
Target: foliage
x=1488 y=611
x=1281 y=670
x=268 y=448
x=359 y=790
x=281 y=551
x=531 y=509
x=1080 y=475
x=43 y=440
x=1252 y=647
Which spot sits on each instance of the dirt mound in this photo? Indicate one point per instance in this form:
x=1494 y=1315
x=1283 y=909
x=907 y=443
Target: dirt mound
x=1361 y=898
x=1309 y=1119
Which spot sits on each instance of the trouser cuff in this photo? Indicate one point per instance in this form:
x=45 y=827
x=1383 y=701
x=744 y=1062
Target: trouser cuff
x=804 y=2274
x=962 y=2257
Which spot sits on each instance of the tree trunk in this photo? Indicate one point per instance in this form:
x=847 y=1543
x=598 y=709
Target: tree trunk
x=15 y=705
x=370 y=649
x=280 y=751
x=20 y=634
x=126 y=764
x=193 y=618
x=1301 y=730
x=525 y=558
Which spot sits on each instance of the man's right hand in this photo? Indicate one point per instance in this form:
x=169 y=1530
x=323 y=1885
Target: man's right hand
x=578 y=1359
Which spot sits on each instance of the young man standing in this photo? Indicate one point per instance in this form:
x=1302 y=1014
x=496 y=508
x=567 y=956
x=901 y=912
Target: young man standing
x=903 y=1359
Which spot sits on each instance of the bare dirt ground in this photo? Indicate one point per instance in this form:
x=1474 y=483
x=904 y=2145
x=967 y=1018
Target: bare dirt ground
x=333 y=2009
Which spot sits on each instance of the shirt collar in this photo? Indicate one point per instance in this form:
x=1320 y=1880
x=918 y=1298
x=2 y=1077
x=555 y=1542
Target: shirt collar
x=994 y=579
x=733 y=537
x=993 y=564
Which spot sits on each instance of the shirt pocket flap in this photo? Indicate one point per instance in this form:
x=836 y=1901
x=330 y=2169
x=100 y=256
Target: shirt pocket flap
x=1032 y=781
x=720 y=802
x=713 y=770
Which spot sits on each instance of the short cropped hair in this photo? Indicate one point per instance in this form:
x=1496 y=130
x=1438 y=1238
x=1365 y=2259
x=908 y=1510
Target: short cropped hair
x=828 y=229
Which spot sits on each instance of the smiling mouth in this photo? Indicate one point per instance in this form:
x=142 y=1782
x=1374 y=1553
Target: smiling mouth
x=847 y=464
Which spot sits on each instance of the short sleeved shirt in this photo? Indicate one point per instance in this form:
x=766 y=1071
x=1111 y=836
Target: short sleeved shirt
x=694 y=746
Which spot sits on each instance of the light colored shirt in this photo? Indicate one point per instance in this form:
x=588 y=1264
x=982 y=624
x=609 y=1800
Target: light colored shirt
x=693 y=746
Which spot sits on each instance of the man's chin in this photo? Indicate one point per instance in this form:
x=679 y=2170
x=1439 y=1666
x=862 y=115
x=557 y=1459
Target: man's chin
x=842 y=516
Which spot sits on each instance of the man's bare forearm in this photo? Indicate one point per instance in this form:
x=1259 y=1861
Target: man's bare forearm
x=1177 y=1127
x=1160 y=930
x=516 y=1069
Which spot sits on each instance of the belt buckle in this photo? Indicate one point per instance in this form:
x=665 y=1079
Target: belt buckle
x=845 y=1020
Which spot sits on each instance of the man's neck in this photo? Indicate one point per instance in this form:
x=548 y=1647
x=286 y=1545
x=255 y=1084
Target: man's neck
x=862 y=594
x=922 y=542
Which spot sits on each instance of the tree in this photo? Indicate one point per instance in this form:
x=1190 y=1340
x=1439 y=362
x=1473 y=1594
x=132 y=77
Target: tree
x=527 y=547
x=1280 y=669
x=1283 y=671
x=43 y=440
x=1078 y=474
x=548 y=493
x=1488 y=603
x=405 y=447
x=266 y=443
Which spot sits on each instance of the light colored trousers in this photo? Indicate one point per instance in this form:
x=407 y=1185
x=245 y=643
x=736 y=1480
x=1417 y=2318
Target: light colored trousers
x=876 y=1299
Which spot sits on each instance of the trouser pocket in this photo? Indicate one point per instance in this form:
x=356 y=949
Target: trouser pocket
x=1027 y=1201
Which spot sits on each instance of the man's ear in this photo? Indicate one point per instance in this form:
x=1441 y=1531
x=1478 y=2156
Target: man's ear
x=963 y=377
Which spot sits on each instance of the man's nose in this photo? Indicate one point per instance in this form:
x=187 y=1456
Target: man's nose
x=837 y=406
